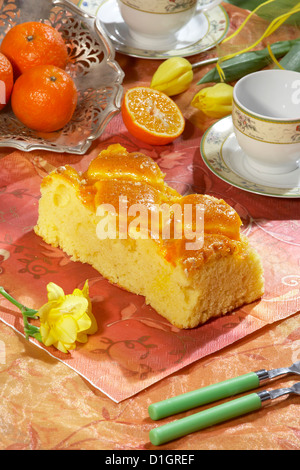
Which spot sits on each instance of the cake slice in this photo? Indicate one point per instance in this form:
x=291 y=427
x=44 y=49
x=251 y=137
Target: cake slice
x=187 y=276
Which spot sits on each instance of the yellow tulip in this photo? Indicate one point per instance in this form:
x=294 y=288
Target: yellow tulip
x=65 y=319
x=173 y=76
x=215 y=101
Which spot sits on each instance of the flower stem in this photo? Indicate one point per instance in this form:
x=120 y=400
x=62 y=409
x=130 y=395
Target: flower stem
x=10 y=298
x=205 y=62
x=29 y=330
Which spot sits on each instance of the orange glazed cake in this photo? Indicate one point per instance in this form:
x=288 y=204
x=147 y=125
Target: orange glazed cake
x=184 y=282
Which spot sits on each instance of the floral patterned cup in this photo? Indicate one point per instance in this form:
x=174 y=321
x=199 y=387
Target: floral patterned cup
x=155 y=22
x=266 y=120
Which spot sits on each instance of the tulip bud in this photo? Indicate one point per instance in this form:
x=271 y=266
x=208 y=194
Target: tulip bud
x=215 y=101
x=173 y=76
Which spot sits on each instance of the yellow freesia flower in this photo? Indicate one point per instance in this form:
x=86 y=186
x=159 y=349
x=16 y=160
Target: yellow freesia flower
x=82 y=337
x=173 y=76
x=65 y=319
x=215 y=101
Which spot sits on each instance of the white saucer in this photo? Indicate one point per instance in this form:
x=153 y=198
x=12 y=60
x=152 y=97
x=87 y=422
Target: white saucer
x=224 y=157
x=204 y=31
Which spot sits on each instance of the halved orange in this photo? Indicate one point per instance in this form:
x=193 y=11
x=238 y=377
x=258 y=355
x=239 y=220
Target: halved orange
x=151 y=116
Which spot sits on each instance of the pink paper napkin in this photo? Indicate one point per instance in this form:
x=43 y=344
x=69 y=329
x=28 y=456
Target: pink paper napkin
x=135 y=347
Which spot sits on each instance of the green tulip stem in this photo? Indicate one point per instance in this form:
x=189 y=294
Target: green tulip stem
x=213 y=60
x=29 y=330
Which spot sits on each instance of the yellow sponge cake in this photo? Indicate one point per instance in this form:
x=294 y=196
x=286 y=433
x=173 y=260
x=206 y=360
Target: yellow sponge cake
x=185 y=254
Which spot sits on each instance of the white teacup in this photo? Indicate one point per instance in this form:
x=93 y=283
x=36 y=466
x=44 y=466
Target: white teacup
x=152 y=22
x=266 y=120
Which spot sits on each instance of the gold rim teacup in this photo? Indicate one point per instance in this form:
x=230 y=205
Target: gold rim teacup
x=266 y=119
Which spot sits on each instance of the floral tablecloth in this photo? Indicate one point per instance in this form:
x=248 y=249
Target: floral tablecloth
x=97 y=397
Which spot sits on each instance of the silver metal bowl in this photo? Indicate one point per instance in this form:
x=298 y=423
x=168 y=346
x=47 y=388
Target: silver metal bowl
x=97 y=76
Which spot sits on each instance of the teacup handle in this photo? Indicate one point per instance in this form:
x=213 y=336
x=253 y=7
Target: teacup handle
x=211 y=5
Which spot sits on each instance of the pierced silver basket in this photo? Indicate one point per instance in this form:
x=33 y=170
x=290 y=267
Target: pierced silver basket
x=97 y=76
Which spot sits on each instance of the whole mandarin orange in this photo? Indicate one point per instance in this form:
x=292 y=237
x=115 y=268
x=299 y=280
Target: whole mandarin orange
x=6 y=80
x=44 y=98
x=33 y=43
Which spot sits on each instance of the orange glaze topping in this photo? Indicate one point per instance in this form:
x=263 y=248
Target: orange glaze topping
x=137 y=179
